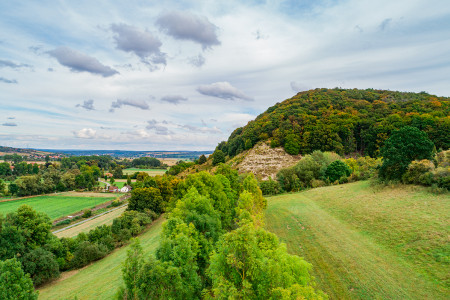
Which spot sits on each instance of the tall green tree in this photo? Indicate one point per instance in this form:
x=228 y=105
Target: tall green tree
x=14 y=283
x=146 y=198
x=401 y=148
x=218 y=157
x=251 y=264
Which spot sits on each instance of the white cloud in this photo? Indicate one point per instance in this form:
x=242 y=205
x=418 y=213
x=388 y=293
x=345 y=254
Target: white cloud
x=223 y=90
x=142 y=43
x=174 y=99
x=80 y=62
x=142 y=104
x=85 y=133
x=184 y=25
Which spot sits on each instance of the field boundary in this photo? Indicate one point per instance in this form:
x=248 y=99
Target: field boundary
x=100 y=206
x=34 y=196
x=88 y=219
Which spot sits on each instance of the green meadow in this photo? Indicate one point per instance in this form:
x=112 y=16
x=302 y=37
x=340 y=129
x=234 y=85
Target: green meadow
x=368 y=242
x=58 y=205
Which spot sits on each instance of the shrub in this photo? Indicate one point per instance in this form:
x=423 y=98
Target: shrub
x=87 y=213
x=416 y=169
x=336 y=170
x=317 y=183
x=41 y=265
x=115 y=203
x=86 y=253
x=64 y=222
x=270 y=187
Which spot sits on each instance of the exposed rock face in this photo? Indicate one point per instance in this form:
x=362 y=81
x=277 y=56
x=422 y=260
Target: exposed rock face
x=264 y=161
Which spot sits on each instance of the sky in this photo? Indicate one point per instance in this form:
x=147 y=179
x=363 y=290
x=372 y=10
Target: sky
x=182 y=75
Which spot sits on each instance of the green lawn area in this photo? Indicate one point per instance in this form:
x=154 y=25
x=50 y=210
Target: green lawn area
x=368 y=242
x=101 y=279
x=56 y=206
x=151 y=172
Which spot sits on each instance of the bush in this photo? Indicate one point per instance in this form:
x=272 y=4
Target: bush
x=315 y=183
x=336 y=170
x=416 y=169
x=270 y=187
x=64 y=222
x=87 y=213
x=86 y=253
x=115 y=203
x=41 y=265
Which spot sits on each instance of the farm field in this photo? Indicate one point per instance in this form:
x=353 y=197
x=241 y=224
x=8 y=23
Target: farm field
x=368 y=242
x=151 y=172
x=101 y=279
x=59 y=205
x=106 y=219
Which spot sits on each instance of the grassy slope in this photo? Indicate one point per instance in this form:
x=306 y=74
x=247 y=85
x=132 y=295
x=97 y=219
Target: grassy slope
x=101 y=279
x=366 y=242
x=106 y=219
x=55 y=206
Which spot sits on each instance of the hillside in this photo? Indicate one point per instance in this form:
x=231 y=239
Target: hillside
x=368 y=242
x=343 y=121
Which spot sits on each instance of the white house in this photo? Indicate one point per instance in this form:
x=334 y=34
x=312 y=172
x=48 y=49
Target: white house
x=125 y=189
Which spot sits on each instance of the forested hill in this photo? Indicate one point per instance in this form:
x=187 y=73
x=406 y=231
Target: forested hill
x=343 y=121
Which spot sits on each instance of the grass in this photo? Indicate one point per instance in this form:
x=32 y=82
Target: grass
x=57 y=206
x=106 y=219
x=368 y=242
x=151 y=172
x=101 y=279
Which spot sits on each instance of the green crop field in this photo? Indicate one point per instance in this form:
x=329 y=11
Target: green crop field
x=151 y=172
x=58 y=205
x=101 y=279
x=368 y=242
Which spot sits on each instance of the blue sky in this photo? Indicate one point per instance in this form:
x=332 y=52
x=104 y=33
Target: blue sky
x=182 y=75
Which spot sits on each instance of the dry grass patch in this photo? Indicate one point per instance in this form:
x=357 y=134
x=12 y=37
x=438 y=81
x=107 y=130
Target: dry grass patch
x=263 y=161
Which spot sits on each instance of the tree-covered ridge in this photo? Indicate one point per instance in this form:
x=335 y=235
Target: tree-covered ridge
x=343 y=121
